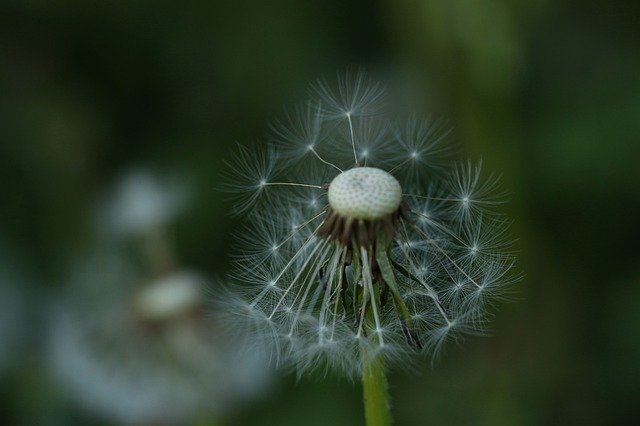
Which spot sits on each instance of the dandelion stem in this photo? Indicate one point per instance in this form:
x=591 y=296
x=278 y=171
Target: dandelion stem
x=375 y=392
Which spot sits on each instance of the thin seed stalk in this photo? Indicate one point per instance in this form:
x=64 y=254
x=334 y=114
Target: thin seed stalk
x=377 y=411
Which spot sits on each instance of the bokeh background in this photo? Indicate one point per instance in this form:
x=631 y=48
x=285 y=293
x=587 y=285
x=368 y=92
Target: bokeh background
x=547 y=93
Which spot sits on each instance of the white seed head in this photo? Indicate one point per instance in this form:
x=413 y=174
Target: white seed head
x=364 y=193
x=397 y=215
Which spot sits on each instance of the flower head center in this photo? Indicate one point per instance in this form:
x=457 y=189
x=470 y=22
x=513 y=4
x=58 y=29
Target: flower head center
x=364 y=193
x=365 y=204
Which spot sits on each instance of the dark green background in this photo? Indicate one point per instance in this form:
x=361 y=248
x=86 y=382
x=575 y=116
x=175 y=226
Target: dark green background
x=546 y=92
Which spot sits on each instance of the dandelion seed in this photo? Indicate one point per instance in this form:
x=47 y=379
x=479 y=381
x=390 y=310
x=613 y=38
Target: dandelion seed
x=397 y=254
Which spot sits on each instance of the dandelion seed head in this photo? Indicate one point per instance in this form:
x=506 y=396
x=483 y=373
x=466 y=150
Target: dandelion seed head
x=364 y=240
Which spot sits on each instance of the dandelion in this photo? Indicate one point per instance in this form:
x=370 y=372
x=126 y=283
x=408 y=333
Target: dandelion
x=132 y=341
x=140 y=206
x=142 y=202
x=145 y=355
x=364 y=245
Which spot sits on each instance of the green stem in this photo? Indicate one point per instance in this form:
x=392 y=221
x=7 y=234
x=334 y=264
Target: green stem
x=376 y=394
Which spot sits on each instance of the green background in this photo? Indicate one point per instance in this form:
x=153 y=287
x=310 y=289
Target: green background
x=546 y=93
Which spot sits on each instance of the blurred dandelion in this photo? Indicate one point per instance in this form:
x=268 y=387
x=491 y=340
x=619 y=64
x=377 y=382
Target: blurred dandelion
x=363 y=244
x=139 y=208
x=144 y=352
x=142 y=202
x=134 y=342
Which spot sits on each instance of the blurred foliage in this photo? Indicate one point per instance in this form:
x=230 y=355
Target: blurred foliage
x=548 y=93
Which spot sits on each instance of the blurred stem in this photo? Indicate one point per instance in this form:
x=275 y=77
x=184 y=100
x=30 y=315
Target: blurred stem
x=375 y=392
x=158 y=252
